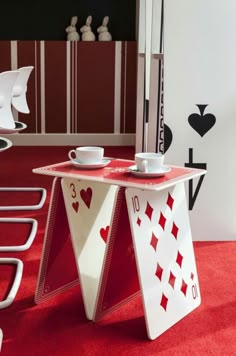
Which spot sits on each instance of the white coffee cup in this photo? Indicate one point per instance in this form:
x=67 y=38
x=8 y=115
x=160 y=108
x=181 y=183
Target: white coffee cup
x=87 y=154
x=149 y=161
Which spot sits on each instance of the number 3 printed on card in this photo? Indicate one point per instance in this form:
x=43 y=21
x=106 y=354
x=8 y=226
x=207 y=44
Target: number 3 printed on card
x=73 y=191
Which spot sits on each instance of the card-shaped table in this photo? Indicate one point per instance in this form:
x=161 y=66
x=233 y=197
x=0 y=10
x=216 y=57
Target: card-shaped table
x=118 y=235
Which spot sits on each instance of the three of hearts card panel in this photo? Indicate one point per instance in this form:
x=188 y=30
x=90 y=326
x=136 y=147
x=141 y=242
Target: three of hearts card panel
x=200 y=108
x=55 y=276
x=89 y=207
x=165 y=256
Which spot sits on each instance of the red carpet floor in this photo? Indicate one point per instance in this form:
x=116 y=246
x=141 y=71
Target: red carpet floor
x=59 y=326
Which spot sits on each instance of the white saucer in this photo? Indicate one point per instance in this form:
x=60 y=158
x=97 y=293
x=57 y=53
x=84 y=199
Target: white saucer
x=159 y=173
x=19 y=126
x=102 y=164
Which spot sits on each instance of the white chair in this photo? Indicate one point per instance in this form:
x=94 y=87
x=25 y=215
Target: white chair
x=20 y=88
x=13 y=88
x=7 y=81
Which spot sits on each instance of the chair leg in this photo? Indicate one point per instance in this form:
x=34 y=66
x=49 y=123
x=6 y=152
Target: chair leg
x=1 y=338
x=31 y=236
x=16 y=283
x=24 y=207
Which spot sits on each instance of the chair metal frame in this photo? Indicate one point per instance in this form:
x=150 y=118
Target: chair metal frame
x=16 y=283
x=30 y=238
x=13 y=88
x=24 y=207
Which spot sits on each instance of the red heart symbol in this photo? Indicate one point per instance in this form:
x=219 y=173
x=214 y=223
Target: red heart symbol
x=104 y=233
x=86 y=196
x=75 y=206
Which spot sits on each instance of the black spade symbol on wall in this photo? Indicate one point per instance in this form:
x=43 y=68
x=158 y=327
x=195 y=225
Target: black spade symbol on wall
x=201 y=123
x=167 y=137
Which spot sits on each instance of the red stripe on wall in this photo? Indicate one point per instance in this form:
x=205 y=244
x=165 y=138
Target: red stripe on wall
x=122 y=89
x=72 y=79
x=38 y=88
x=5 y=57
x=73 y=85
x=95 y=94
x=26 y=57
x=55 y=87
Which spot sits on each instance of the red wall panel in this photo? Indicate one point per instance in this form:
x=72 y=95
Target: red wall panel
x=5 y=56
x=26 y=57
x=55 y=87
x=95 y=93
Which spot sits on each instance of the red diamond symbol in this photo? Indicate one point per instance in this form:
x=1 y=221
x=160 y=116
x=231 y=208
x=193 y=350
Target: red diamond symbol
x=149 y=211
x=192 y=276
x=172 y=279
x=154 y=241
x=162 y=221
x=175 y=230
x=184 y=287
x=138 y=222
x=179 y=259
x=170 y=201
x=159 y=271
x=164 y=301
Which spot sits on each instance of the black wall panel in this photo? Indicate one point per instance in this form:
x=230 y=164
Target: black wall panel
x=47 y=20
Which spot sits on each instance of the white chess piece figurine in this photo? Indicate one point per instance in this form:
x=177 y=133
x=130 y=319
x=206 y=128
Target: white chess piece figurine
x=72 y=34
x=87 y=34
x=104 y=34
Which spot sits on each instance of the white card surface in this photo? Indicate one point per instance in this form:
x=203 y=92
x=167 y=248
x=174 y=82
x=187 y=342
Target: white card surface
x=200 y=106
x=165 y=257
x=89 y=207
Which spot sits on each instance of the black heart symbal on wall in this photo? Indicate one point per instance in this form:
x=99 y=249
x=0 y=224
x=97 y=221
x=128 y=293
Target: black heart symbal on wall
x=201 y=123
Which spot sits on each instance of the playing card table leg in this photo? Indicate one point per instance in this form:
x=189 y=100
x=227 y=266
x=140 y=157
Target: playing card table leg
x=58 y=270
x=164 y=255
x=119 y=279
x=89 y=208
x=88 y=228
x=102 y=242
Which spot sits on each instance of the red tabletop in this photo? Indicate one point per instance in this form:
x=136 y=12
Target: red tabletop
x=117 y=172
